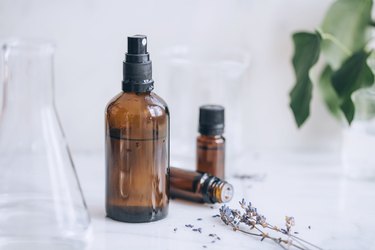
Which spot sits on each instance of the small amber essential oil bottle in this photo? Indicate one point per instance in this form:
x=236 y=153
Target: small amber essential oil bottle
x=137 y=143
x=211 y=142
x=199 y=187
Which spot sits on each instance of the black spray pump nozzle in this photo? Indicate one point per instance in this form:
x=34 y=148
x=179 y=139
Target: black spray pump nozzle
x=137 y=44
x=137 y=68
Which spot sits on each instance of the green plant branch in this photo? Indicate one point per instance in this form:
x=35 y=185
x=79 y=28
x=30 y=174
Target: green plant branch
x=343 y=40
x=333 y=39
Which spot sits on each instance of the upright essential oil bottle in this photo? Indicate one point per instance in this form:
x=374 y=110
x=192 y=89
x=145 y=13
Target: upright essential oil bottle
x=211 y=142
x=137 y=143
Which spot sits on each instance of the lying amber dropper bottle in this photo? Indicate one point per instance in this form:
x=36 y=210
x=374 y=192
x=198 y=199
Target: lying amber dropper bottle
x=198 y=187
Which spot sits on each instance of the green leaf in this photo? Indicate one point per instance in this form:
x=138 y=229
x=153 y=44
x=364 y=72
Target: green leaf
x=344 y=29
x=351 y=76
x=348 y=109
x=328 y=93
x=306 y=54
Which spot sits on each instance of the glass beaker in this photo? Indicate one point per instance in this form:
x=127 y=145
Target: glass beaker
x=197 y=77
x=41 y=202
x=359 y=139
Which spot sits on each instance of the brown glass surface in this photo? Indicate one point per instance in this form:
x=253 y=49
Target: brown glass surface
x=186 y=184
x=137 y=157
x=198 y=187
x=211 y=155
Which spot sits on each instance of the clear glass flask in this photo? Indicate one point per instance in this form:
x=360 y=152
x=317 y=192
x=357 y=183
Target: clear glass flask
x=41 y=202
x=359 y=138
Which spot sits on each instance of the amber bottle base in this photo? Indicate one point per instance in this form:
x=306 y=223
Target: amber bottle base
x=136 y=214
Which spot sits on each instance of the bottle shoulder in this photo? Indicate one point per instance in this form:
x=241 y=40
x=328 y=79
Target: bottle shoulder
x=157 y=99
x=137 y=103
x=137 y=113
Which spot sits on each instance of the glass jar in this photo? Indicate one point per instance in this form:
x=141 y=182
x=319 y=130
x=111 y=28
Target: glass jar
x=359 y=139
x=207 y=77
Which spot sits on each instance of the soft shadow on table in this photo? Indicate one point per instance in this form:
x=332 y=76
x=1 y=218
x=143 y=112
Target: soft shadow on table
x=193 y=204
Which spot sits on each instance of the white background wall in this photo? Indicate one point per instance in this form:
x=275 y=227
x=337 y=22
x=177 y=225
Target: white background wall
x=91 y=41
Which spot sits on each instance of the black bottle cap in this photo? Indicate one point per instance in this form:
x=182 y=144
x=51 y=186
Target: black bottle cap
x=211 y=120
x=137 y=67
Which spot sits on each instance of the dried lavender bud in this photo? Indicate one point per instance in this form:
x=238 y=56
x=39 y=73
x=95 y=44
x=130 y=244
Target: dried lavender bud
x=226 y=215
x=199 y=219
x=289 y=222
x=175 y=229
x=216 y=215
x=189 y=225
x=260 y=219
x=243 y=203
x=204 y=246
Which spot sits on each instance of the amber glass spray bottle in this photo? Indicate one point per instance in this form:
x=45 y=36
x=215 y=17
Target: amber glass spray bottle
x=137 y=143
x=210 y=142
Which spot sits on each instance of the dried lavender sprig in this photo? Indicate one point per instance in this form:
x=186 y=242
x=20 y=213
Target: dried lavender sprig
x=228 y=216
x=235 y=228
x=289 y=222
x=309 y=243
x=292 y=236
x=265 y=235
x=252 y=218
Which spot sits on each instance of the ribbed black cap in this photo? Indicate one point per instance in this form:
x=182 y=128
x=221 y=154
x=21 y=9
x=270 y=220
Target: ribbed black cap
x=137 y=67
x=211 y=120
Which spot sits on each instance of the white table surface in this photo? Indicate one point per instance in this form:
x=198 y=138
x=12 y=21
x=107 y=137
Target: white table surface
x=310 y=187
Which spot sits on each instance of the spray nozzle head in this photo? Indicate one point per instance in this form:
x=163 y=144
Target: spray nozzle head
x=137 y=69
x=137 y=44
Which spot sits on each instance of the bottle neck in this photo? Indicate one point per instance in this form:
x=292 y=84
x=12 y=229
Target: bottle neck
x=143 y=93
x=222 y=191
x=216 y=190
x=214 y=137
x=137 y=87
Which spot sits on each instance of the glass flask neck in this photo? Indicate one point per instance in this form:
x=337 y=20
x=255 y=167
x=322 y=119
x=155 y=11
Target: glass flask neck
x=28 y=76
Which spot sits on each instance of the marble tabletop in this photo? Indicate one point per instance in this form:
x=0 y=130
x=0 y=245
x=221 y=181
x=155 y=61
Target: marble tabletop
x=331 y=211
